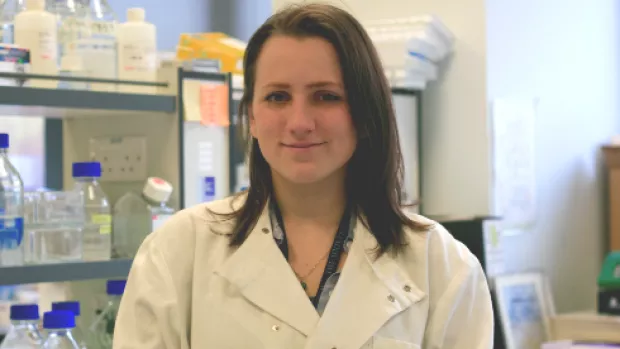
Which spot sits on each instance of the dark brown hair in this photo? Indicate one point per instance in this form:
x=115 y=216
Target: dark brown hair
x=374 y=173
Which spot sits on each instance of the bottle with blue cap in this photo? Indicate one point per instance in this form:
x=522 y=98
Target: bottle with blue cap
x=24 y=332
x=79 y=331
x=103 y=326
x=59 y=325
x=97 y=240
x=11 y=209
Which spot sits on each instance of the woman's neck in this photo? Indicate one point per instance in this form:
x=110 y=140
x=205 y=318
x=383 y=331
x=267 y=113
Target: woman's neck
x=320 y=203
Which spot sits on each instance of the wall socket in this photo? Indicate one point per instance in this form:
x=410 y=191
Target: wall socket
x=123 y=159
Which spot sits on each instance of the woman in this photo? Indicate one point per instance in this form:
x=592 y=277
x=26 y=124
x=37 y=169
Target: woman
x=318 y=253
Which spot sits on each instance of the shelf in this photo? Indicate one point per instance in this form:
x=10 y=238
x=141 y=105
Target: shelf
x=28 y=274
x=26 y=101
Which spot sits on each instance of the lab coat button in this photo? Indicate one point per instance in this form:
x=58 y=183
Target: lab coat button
x=407 y=288
x=276 y=328
x=266 y=230
x=391 y=298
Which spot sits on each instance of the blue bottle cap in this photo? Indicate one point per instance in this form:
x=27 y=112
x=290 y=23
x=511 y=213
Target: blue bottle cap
x=58 y=319
x=116 y=287
x=72 y=306
x=86 y=169
x=24 y=312
x=4 y=140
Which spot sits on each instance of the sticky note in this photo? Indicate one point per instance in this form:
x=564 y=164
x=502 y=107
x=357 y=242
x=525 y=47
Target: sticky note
x=214 y=104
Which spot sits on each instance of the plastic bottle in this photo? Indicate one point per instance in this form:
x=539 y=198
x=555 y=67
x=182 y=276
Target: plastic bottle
x=59 y=325
x=24 y=332
x=137 y=52
x=97 y=238
x=11 y=209
x=71 y=66
x=72 y=25
x=100 y=52
x=79 y=331
x=103 y=327
x=8 y=10
x=35 y=29
x=136 y=216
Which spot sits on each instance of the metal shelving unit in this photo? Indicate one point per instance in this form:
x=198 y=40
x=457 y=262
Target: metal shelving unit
x=76 y=271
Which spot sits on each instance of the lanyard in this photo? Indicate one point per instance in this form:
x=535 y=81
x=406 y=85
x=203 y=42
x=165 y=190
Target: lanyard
x=335 y=253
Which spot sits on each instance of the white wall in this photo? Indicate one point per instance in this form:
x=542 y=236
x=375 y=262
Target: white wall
x=566 y=54
x=454 y=108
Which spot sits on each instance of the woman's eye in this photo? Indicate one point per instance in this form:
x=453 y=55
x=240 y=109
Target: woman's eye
x=329 y=97
x=277 y=97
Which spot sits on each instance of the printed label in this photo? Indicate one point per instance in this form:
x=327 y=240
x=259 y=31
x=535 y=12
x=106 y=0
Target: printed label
x=208 y=189
x=104 y=221
x=138 y=56
x=11 y=232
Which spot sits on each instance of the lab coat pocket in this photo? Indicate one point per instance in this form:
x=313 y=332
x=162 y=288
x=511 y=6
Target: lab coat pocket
x=389 y=343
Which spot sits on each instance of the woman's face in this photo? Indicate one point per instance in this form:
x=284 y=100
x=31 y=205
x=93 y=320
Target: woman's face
x=299 y=113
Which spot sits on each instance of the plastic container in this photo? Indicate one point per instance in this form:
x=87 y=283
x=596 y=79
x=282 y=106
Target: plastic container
x=137 y=52
x=97 y=228
x=71 y=66
x=72 y=23
x=80 y=330
x=101 y=53
x=24 y=332
x=103 y=327
x=35 y=29
x=136 y=216
x=11 y=209
x=59 y=324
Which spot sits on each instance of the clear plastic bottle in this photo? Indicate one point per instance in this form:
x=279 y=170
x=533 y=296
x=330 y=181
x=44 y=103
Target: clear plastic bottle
x=24 y=332
x=97 y=238
x=11 y=209
x=136 y=216
x=59 y=325
x=72 y=23
x=100 y=51
x=79 y=333
x=8 y=10
x=103 y=327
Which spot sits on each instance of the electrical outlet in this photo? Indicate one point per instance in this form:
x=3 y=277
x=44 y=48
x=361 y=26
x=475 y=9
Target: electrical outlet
x=123 y=159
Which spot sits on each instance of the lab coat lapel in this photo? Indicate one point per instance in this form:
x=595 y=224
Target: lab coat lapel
x=264 y=277
x=368 y=294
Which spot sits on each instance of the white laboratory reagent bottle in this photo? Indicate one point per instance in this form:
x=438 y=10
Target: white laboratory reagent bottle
x=97 y=229
x=35 y=30
x=136 y=216
x=137 y=52
x=11 y=209
x=24 y=332
x=59 y=325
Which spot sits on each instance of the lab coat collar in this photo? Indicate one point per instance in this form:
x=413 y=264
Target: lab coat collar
x=371 y=289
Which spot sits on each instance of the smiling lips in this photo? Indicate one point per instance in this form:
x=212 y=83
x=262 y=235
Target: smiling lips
x=302 y=145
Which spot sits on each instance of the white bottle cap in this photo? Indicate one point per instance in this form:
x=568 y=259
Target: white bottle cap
x=71 y=63
x=157 y=189
x=135 y=14
x=35 y=5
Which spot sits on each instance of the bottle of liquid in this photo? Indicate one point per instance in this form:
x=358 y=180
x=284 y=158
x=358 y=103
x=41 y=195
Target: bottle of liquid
x=11 y=209
x=72 y=25
x=103 y=327
x=79 y=331
x=97 y=240
x=137 y=52
x=71 y=66
x=101 y=52
x=35 y=29
x=8 y=10
x=135 y=216
x=59 y=324
x=24 y=332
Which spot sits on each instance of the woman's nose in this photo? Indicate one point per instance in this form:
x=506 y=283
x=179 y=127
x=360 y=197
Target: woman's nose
x=301 y=120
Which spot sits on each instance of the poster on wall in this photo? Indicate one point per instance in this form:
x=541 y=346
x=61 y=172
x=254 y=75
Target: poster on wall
x=513 y=149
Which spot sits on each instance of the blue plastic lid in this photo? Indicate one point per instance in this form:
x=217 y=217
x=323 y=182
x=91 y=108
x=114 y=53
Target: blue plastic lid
x=4 y=140
x=116 y=287
x=72 y=306
x=86 y=169
x=24 y=312
x=57 y=319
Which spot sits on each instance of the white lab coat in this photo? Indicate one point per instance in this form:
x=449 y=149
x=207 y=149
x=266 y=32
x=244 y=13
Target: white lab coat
x=188 y=289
